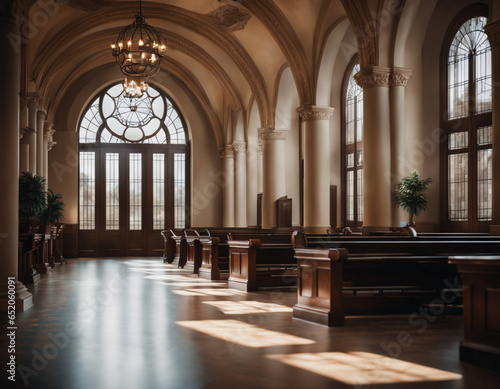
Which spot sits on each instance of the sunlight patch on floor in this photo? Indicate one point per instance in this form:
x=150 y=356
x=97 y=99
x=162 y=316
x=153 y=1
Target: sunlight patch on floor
x=243 y=334
x=363 y=368
x=208 y=292
x=247 y=307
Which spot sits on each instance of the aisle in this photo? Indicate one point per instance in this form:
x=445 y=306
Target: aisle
x=138 y=323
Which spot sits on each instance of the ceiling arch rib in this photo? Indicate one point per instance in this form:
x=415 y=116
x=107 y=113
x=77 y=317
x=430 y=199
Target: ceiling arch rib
x=200 y=24
x=284 y=34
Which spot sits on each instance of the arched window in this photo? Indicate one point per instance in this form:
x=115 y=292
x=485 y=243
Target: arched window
x=133 y=173
x=467 y=121
x=352 y=149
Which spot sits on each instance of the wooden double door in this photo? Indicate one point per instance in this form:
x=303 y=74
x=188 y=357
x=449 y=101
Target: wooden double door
x=133 y=199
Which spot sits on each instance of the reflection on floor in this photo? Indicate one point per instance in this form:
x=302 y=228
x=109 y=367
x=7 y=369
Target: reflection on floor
x=137 y=323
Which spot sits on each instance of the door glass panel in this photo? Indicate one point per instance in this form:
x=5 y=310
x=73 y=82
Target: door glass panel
x=158 y=191
x=135 y=191
x=87 y=190
x=484 y=185
x=112 y=191
x=179 y=190
x=457 y=186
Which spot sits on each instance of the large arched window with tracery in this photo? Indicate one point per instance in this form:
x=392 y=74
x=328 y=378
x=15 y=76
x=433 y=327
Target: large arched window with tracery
x=133 y=173
x=352 y=149
x=467 y=122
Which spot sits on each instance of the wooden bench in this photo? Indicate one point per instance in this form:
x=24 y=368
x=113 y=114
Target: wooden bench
x=259 y=263
x=376 y=275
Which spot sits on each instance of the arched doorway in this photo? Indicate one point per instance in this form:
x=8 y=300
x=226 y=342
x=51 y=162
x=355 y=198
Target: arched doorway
x=133 y=173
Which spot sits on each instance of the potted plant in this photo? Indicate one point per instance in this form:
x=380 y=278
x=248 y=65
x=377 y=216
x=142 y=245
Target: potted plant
x=32 y=199
x=54 y=208
x=410 y=194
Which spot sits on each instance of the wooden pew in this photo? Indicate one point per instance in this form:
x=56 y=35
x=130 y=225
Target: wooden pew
x=380 y=276
x=258 y=263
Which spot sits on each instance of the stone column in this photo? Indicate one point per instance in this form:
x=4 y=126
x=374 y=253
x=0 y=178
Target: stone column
x=316 y=130
x=398 y=80
x=240 y=181
x=40 y=119
x=23 y=129
x=259 y=167
x=9 y=161
x=377 y=205
x=273 y=172
x=48 y=142
x=23 y=151
x=228 y=191
x=493 y=31
x=31 y=137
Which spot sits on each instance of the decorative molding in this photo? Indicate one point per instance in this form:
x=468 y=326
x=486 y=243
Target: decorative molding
x=239 y=147
x=230 y=17
x=85 y=5
x=492 y=29
x=400 y=77
x=260 y=147
x=25 y=130
x=268 y=133
x=50 y=145
x=313 y=112
x=228 y=152
x=48 y=131
x=373 y=76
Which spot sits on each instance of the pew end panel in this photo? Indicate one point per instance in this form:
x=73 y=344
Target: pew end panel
x=319 y=286
x=242 y=264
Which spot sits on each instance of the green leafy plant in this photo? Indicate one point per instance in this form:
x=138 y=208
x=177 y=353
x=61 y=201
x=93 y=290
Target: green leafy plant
x=410 y=194
x=32 y=196
x=54 y=211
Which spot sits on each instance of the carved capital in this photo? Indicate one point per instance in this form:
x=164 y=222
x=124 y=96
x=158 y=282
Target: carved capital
x=373 y=76
x=50 y=145
x=400 y=77
x=268 y=133
x=24 y=130
x=239 y=147
x=493 y=31
x=41 y=114
x=228 y=152
x=313 y=112
x=48 y=131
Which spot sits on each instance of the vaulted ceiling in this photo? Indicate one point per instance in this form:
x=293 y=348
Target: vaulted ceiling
x=227 y=53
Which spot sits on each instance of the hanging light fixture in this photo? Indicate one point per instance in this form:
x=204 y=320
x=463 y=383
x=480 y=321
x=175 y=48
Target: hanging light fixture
x=138 y=48
x=134 y=87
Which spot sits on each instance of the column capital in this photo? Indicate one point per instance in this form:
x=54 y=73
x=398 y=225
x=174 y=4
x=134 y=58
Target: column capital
x=314 y=112
x=269 y=133
x=48 y=131
x=373 y=76
x=239 y=147
x=227 y=152
x=400 y=76
x=492 y=29
x=41 y=114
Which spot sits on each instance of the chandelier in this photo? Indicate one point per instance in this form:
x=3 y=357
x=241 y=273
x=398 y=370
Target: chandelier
x=138 y=48
x=134 y=87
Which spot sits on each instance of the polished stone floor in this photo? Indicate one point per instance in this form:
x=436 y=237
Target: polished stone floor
x=139 y=324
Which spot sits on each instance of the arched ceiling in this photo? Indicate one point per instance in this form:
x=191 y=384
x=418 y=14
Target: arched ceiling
x=227 y=53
